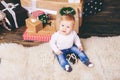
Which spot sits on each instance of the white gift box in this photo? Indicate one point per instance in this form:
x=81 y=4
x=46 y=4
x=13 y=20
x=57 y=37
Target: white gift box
x=73 y=1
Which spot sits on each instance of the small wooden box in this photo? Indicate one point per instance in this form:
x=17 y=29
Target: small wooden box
x=33 y=25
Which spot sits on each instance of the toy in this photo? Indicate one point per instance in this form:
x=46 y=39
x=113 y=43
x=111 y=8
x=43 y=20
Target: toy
x=72 y=58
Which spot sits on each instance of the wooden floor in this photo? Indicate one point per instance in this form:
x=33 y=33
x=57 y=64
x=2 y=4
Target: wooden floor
x=16 y=37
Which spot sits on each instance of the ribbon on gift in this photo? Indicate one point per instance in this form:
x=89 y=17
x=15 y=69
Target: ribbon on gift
x=34 y=4
x=9 y=7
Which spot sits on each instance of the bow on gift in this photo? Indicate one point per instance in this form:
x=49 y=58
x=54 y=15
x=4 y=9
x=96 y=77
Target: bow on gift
x=9 y=7
x=67 y=10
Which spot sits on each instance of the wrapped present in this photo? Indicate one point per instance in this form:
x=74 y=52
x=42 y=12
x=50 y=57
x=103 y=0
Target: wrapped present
x=15 y=14
x=37 y=13
x=54 y=5
x=36 y=37
x=33 y=25
x=52 y=23
x=26 y=3
x=43 y=35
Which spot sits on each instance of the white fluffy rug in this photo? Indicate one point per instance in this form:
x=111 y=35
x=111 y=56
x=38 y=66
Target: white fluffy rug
x=39 y=63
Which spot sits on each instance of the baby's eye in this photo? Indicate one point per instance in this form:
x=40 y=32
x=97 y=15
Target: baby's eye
x=62 y=25
x=68 y=27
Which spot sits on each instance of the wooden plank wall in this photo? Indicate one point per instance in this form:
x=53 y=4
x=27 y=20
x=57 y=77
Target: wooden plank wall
x=105 y=23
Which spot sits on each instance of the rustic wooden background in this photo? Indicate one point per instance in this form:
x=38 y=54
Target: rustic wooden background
x=105 y=23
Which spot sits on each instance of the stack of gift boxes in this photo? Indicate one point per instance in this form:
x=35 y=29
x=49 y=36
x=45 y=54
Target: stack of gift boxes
x=38 y=26
x=44 y=34
x=17 y=16
x=39 y=29
x=15 y=13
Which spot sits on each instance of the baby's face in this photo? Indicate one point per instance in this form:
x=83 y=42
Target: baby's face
x=66 y=27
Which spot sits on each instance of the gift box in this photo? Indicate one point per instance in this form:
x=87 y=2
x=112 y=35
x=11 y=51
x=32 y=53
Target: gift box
x=15 y=13
x=52 y=23
x=43 y=35
x=33 y=25
x=28 y=3
x=37 y=13
x=54 y=5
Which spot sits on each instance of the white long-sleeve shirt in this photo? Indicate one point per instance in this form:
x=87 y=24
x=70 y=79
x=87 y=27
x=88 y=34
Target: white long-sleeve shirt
x=60 y=42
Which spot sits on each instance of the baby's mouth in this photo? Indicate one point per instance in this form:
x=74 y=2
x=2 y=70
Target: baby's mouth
x=64 y=31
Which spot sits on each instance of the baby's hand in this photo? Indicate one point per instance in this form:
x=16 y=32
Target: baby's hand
x=59 y=52
x=81 y=48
